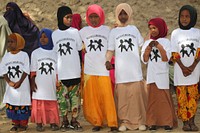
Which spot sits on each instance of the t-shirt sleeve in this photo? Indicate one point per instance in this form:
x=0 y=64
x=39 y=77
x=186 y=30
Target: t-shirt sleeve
x=140 y=38
x=34 y=64
x=26 y=67
x=79 y=41
x=173 y=43
x=111 y=41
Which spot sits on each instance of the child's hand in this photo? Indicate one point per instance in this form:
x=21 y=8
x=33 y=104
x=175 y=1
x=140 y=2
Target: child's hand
x=17 y=84
x=33 y=87
x=11 y=84
x=152 y=44
x=186 y=71
x=109 y=66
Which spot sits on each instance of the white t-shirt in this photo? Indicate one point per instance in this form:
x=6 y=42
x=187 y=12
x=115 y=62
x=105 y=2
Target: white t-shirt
x=14 y=65
x=157 y=70
x=126 y=41
x=67 y=43
x=96 y=44
x=186 y=42
x=44 y=62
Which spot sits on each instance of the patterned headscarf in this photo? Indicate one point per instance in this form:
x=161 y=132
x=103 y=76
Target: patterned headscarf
x=48 y=33
x=127 y=8
x=161 y=25
x=193 y=17
x=99 y=11
x=19 y=39
x=63 y=11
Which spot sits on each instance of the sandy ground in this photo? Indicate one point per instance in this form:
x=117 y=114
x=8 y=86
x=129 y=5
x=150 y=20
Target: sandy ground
x=5 y=124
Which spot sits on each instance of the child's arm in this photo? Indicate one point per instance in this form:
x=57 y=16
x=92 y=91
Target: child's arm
x=18 y=84
x=196 y=61
x=162 y=51
x=10 y=83
x=33 y=84
x=109 y=56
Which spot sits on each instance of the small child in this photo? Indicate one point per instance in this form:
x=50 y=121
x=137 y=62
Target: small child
x=185 y=43
x=68 y=45
x=43 y=83
x=156 y=53
x=15 y=68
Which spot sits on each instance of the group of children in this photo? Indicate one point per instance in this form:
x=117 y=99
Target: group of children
x=55 y=74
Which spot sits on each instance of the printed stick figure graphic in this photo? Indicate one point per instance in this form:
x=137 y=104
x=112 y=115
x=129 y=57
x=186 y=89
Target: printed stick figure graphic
x=183 y=51
x=42 y=68
x=156 y=55
x=130 y=44
x=192 y=49
x=91 y=46
x=122 y=46
x=68 y=47
x=50 y=67
x=17 y=71
x=10 y=74
x=99 y=44
x=61 y=50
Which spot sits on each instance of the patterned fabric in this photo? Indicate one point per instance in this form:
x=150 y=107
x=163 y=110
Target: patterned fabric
x=187 y=97
x=69 y=99
x=18 y=112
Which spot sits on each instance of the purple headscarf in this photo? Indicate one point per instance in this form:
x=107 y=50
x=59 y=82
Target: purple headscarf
x=18 y=23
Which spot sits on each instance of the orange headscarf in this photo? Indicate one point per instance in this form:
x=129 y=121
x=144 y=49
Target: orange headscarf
x=127 y=8
x=19 y=39
x=99 y=11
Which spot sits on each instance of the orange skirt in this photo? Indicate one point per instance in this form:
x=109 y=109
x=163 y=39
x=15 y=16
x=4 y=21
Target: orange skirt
x=45 y=112
x=98 y=101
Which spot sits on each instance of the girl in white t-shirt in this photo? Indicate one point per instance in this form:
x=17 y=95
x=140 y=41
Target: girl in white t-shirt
x=131 y=97
x=15 y=68
x=156 y=53
x=43 y=83
x=98 y=101
x=185 y=43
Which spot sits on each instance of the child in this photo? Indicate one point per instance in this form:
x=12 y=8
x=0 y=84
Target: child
x=98 y=101
x=185 y=43
x=15 y=68
x=43 y=83
x=130 y=92
x=156 y=52
x=68 y=44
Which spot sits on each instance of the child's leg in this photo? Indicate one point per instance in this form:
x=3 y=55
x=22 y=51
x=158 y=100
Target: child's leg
x=16 y=124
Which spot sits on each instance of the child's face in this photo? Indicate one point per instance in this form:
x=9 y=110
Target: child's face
x=67 y=20
x=12 y=45
x=94 y=19
x=153 y=30
x=44 y=39
x=123 y=17
x=185 y=17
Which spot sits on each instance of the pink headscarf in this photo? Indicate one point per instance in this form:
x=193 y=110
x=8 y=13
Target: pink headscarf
x=161 y=25
x=99 y=11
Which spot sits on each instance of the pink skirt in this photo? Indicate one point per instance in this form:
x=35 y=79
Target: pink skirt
x=45 y=112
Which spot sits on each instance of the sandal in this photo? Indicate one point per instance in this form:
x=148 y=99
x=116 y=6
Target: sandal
x=14 y=128
x=54 y=127
x=65 y=126
x=40 y=128
x=75 y=125
x=22 y=129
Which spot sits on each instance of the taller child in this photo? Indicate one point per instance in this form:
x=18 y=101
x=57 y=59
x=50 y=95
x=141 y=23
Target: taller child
x=68 y=45
x=130 y=93
x=98 y=101
x=185 y=51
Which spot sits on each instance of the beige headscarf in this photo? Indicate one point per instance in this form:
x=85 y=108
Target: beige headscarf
x=19 y=39
x=127 y=8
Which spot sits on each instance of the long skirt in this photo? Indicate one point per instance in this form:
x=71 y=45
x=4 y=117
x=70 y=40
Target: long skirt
x=98 y=101
x=160 y=107
x=131 y=103
x=45 y=112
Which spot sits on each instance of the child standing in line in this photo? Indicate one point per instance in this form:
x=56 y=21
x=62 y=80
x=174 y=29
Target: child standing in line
x=185 y=42
x=15 y=68
x=156 y=53
x=130 y=92
x=68 y=45
x=98 y=101
x=43 y=83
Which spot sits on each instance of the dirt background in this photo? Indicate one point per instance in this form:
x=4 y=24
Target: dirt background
x=43 y=13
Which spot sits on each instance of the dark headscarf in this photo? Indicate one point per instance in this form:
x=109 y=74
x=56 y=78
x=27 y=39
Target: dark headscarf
x=18 y=23
x=161 y=25
x=62 y=11
x=48 y=33
x=193 y=17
